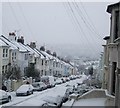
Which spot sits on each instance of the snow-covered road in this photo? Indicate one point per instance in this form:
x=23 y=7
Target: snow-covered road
x=37 y=97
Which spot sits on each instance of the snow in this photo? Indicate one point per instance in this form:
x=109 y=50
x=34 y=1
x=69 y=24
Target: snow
x=48 y=56
x=12 y=46
x=36 y=99
x=24 y=88
x=90 y=102
x=2 y=43
x=31 y=51
x=20 y=46
x=68 y=103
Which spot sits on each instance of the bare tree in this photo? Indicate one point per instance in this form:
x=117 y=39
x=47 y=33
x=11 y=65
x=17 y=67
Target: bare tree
x=13 y=72
x=32 y=72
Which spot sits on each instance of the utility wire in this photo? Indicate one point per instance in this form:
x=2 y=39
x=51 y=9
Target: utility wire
x=72 y=20
x=14 y=14
x=84 y=19
x=86 y=23
x=92 y=24
x=80 y=26
x=26 y=21
x=88 y=41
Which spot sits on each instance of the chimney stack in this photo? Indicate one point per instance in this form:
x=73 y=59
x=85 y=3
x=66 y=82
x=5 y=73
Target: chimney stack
x=33 y=45
x=20 y=39
x=12 y=36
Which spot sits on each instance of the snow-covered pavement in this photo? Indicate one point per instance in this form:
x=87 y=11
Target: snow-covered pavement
x=37 y=97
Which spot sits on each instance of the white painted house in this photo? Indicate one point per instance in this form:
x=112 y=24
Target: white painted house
x=17 y=51
x=4 y=57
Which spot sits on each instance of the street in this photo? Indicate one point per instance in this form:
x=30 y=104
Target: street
x=37 y=97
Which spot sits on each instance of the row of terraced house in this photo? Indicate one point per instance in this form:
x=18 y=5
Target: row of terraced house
x=111 y=55
x=13 y=52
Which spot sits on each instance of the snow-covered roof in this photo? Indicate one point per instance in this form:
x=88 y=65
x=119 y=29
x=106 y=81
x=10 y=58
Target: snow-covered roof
x=2 y=43
x=12 y=46
x=31 y=51
x=20 y=46
x=41 y=55
x=48 y=56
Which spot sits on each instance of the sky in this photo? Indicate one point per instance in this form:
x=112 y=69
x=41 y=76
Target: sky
x=70 y=29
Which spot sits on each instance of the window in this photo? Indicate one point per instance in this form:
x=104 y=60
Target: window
x=56 y=64
x=41 y=72
x=15 y=55
x=12 y=54
x=6 y=68
x=2 y=69
x=45 y=73
x=6 y=52
x=53 y=64
x=3 y=52
x=26 y=56
x=46 y=63
x=42 y=62
x=116 y=24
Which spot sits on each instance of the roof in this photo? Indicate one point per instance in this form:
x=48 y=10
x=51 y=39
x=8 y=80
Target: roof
x=31 y=51
x=110 y=7
x=2 y=43
x=20 y=46
x=48 y=56
x=41 y=55
x=8 y=42
x=14 y=44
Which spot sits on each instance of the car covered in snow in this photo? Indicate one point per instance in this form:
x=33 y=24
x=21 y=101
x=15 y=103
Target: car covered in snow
x=4 y=96
x=53 y=100
x=48 y=80
x=58 y=81
x=83 y=88
x=63 y=79
x=25 y=90
x=39 y=86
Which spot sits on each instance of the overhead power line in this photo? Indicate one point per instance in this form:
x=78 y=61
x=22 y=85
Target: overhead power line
x=85 y=21
x=80 y=28
x=92 y=24
x=26 y=21
x=14 y=14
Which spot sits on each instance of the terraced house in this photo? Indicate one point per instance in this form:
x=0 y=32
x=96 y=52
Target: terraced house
x=112 y=54
x=14 y=53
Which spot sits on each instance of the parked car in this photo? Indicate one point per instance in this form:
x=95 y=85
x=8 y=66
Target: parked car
x=53 y=101
x=63 y=80
x=70 y=88
x=81 y=89
x=25 y=89
x=48 y=80
x=72 y=77
x=39 y=86
x=67 y=79
x=4 y=96
x=58 y=81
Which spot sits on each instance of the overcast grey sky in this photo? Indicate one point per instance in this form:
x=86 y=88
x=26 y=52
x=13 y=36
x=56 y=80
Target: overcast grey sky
x=63 y=27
